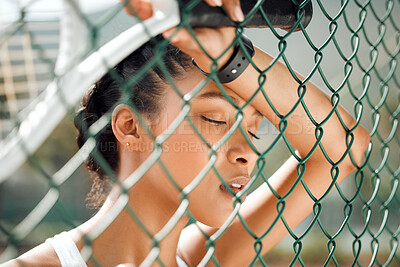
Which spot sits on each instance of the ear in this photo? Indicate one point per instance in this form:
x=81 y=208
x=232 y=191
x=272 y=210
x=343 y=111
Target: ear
x=126 y=127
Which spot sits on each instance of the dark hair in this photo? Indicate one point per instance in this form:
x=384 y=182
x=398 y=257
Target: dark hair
x=145 y=96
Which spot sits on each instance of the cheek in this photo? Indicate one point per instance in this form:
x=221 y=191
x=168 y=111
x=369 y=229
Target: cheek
x=184 y=154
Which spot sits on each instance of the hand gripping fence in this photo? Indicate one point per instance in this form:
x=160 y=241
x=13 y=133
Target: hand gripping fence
x=350 y=49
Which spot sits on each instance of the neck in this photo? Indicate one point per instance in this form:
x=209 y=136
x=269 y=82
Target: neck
x=124 y=241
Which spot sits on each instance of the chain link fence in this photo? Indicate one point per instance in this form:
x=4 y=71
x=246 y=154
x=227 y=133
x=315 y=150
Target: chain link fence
x=350 y=50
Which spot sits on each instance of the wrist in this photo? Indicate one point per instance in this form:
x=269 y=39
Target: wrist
x=204 y=63
x=232 y=64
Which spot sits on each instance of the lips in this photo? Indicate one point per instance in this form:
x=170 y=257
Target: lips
x=236 y=185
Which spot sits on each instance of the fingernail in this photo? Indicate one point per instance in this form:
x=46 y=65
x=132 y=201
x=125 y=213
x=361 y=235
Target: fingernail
x=217 y=2
x=238 y=13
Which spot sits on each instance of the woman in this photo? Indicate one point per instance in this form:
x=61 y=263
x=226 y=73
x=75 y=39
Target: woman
x=154 y=198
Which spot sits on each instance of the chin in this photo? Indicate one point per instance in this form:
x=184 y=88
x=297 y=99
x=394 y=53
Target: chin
x=213 y=213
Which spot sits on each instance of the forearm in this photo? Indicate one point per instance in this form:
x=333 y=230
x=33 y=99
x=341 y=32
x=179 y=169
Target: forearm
x=236 y=246
x=282 y=91
x=260 y=213
x=260 y=210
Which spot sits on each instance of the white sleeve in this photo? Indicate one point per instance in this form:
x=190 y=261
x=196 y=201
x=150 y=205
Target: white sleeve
x=66 y=250
x=69 y=255
x=180 y=262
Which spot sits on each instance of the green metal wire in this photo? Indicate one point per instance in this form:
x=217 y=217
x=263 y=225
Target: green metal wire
x=370 y=80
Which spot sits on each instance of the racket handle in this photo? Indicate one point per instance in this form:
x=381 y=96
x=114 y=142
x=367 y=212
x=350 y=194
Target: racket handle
x=280 y=13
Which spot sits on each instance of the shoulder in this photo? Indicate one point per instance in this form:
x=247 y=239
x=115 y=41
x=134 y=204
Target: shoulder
x=37 y=256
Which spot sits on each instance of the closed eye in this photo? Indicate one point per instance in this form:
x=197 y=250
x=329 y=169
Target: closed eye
x=213 y=121
x=253 y=135
x=223 y=122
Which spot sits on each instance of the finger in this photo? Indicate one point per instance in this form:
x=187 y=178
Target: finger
x=168 y=33
x=234 y=10
x=145 y=10
x=221 y=38
x=214 y=2
x=177 y=38
x=184 y=40
x=139 y=8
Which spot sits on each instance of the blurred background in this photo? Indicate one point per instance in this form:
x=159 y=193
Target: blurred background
x=27 y=61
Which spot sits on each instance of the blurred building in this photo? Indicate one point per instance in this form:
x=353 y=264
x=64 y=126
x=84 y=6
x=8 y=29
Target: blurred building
x=26 y=67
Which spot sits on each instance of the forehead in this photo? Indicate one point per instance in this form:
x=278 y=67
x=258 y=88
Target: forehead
x=210 y=91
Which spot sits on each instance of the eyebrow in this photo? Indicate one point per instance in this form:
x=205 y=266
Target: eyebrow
x=218 y=95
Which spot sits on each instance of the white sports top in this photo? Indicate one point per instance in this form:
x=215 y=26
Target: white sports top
x=69 y=255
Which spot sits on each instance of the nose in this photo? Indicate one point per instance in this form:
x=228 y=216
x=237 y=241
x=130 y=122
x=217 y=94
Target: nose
x=239 y=151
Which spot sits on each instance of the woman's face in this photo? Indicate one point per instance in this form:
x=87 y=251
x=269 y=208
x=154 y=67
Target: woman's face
x=185 y=155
